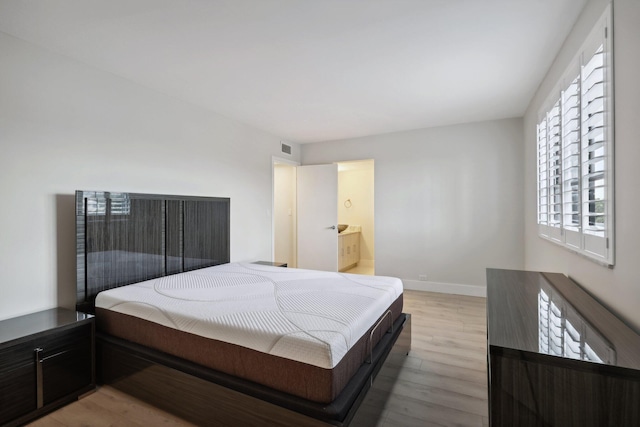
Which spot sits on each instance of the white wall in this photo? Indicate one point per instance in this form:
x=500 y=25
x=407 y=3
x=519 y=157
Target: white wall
x=618 y=288
x=65 y=126
x=356 y=183
x=448 y=200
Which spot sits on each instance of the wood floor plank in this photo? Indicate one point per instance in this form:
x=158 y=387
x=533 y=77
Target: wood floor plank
x=447 y=359
x=394 y=419
x=429 y=412
x=442 y=382
x=437 y=395
x=472 y=346
x=458 y=335
x=86 y=409
x=455 y=384
x=49 y=421
x=451 y=350
x=466 y=374
x=134 y=410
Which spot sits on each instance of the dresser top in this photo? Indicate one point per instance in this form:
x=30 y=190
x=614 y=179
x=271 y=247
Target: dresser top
x=548 y=313
x=42 y=321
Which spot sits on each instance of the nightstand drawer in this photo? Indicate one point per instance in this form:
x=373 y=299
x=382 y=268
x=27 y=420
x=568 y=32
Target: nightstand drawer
x=17 y=382
x=46 y=361
x=65 y=363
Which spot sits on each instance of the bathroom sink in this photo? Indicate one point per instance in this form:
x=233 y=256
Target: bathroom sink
x=342 y=227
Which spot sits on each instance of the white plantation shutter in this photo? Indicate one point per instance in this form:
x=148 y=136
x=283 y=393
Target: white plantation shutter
x=594 y=156
x=575 y=153
x=543 y=178
x=571 y=163
x=555 y=166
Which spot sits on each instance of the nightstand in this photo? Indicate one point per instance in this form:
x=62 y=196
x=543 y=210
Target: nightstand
x=47 y=360
x=274 y=264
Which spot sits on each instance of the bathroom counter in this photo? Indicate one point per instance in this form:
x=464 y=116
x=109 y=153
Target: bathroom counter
x=351 y=229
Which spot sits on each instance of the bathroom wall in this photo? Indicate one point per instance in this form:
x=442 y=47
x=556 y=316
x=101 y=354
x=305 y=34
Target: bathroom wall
x=355 y=183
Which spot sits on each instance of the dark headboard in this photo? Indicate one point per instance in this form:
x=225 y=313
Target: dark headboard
x=124 y=238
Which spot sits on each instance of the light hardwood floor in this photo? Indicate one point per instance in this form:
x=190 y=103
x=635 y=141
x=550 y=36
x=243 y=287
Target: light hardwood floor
x=443 y=381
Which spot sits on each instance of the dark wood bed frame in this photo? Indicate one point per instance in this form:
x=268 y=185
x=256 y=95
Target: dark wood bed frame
x=123 y=238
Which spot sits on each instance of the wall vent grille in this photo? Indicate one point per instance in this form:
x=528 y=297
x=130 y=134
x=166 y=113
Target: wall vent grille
x=286 y=149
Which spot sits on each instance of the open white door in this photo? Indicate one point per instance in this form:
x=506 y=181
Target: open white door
x=317 y=195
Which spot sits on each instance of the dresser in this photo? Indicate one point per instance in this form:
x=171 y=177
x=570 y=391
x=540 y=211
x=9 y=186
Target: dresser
x=556 y=356
x=46 y=361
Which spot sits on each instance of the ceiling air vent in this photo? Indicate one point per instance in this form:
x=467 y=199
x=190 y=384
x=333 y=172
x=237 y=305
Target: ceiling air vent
x=286 y=149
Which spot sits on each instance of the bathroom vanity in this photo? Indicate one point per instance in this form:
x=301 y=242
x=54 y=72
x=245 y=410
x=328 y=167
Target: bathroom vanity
x=348 y=249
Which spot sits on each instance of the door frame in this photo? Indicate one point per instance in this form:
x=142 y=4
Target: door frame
x=280 y=160
x=275 y=160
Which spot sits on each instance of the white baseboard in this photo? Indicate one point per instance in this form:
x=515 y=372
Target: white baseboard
x=445 y=288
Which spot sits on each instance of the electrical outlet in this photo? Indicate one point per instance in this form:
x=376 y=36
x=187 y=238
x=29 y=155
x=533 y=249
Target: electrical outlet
x=422 y=277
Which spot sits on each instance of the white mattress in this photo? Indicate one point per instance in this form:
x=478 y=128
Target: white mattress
x=310 y=316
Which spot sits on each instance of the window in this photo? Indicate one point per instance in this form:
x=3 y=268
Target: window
x=575 y=153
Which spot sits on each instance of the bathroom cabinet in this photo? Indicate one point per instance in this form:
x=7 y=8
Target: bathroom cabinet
x=348 y=250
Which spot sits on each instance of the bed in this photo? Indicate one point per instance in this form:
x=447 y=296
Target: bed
x=225 y=343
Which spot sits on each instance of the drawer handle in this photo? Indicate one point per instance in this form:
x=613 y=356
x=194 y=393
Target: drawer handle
x=39 y=379
x=53 y=355
x=39 y=391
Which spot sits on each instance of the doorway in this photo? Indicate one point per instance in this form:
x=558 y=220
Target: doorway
x=355 y=206
x=285 y=215
x=356 y=209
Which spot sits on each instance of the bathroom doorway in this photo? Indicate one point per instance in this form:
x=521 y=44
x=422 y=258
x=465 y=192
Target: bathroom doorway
x=355 y=195
x=356 y=209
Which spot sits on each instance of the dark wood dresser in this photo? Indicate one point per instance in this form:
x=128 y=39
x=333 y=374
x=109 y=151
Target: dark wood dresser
x=556 y=356
x=46 y=361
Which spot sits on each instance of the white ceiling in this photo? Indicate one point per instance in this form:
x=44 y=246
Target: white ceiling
x=315 y=70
